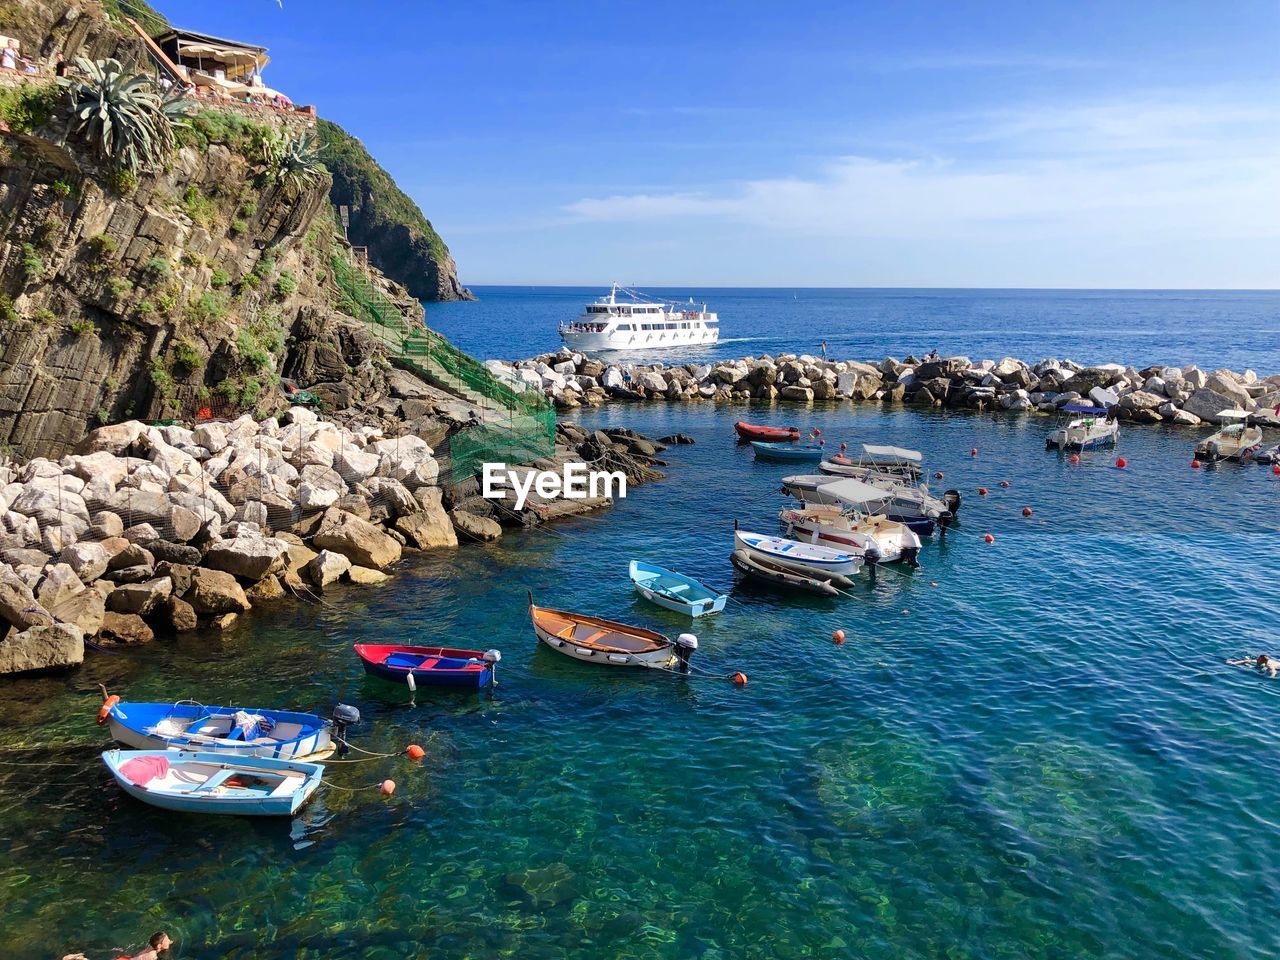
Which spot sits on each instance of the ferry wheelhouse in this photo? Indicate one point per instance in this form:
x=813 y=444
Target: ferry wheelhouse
x=639 y=323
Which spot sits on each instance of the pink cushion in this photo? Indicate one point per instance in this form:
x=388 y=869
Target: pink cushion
x=142 y=770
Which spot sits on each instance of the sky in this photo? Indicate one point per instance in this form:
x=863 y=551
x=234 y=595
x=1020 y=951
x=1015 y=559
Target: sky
x=1057 y=143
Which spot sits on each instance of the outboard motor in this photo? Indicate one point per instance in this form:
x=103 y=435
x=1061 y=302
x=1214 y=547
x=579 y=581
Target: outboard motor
x=952 y=499
x=910 y=556
x=344 y=715
x=686 y=645
x=492 y=658
x=871 y=557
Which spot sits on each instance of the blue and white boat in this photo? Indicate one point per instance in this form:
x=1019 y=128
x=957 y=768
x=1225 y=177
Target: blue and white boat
x=805 y=557
x=675 y=591
x=787 y=452
x=189 y=781
x=227 y=731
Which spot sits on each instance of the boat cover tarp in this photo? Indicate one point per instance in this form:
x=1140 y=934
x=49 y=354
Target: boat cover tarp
x=142 y=770
x=892 y=453
x=856 y=491
x=1083 y=408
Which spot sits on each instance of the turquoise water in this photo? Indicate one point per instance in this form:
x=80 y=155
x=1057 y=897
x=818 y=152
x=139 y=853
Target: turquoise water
x=1042 y=756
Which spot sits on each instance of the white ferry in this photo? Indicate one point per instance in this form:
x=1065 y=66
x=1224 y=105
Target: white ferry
x=639 y=323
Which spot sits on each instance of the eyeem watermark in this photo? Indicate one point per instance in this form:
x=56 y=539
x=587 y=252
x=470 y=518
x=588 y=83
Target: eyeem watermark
x=574 y=482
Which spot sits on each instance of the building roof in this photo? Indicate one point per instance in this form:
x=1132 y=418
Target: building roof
x=189 y=36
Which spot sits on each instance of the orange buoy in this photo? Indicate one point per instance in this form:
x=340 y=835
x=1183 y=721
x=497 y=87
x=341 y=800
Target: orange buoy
x=388 y=787
x=740 y=678
x=933 y=583
x=1121 y=462
x=983 y=491
x=973 y=451
x=108 y=705
x=1026 y=511
x=1195 y=464
x=1075 y=458
x=989 y=538
x=837 y=637
x=415 y=752
x=938 y=475
x=1004 y=483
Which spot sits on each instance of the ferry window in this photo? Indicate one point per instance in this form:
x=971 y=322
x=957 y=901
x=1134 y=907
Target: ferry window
x=624 y=326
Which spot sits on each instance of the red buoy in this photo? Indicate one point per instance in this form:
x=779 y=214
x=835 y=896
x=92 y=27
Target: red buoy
x=1004 y=483
x=415 y=752
x=933 y=583
x=938 y=475
x=838 y=637
x=982 y=491
x=973 y=451
x=1075 y=458
x=1121 y=462
x=1195 y=464
x=1276 y=469
x=1026 y=511
x=989 y=538
x=844 y=447
x=740 y=678
x=388 y=787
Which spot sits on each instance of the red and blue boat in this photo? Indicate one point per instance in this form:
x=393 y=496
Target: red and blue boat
x=429 y=666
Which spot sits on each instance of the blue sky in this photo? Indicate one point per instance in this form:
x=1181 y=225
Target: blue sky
x=1066 y=144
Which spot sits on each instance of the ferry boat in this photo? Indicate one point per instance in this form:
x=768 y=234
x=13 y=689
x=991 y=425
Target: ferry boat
x=639 y=323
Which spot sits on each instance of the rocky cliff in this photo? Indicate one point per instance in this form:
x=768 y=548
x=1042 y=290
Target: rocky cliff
x=401 y=241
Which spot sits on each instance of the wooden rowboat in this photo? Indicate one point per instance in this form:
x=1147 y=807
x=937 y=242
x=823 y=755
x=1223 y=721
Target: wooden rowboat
x=760 y=570
x=429 y=666
x=595 y=640
x=753 y=431
x=674 y=591
x=199 y=782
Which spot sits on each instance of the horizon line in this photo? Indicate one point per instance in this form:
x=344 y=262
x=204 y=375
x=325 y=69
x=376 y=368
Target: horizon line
x=751 y=286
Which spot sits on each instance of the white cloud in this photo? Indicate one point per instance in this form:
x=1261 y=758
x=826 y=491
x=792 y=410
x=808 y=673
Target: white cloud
x=1164 y=169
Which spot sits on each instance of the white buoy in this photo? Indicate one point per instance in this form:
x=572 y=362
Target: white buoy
x=413 y=684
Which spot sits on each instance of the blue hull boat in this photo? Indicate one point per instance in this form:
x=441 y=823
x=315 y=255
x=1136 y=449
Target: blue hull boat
x=228 y=731
x=428 y=666
x=787 y=452
x=674 y=591
x=188 y=781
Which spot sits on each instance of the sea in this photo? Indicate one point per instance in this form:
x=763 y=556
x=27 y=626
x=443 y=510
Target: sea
x=1029 y=747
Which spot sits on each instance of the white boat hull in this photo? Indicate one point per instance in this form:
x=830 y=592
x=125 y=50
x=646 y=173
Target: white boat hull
x=316 y=747
x=888 y=543
x=584 y=342
x=801 y=557
x=1082 y=436
x=659 y=659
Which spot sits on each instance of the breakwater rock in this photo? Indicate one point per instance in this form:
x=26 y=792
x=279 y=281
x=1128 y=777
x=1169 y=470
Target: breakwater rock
x=166 y=529
x=1154 y=394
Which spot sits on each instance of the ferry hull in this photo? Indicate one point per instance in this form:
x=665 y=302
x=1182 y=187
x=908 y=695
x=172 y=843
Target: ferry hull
x=584 y=342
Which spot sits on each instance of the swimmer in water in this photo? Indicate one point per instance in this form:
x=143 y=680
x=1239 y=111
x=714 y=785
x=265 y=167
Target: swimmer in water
x=1261 y=661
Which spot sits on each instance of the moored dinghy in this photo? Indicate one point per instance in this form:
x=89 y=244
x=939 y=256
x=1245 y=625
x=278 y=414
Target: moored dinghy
x=1237 y=441
x=880 y=539
x=787 y=452
x=753 y=431
x=429 y=666
x=804 y=557
x=674 y=591
x=1090 y=428
x=200 y=782
x=759 y=569
x=596 y=640
x=227 y=731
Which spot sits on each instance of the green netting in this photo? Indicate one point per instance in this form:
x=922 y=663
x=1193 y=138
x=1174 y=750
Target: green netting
x=525 y=428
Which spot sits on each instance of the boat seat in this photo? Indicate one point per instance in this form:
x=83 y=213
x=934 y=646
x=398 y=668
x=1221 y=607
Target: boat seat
x=682 y=588
x=404 y=661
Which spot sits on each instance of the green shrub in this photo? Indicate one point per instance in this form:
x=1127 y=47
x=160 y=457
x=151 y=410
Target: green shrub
x=7 y=313
x=125 y=118
x=286 y=285
x=83 y=327
x=162 y=379
x=219 y=279
x=167 y=300
x=238 y=227
x=49 y=227
x=211 y=306
x=198 y=207
x=238 y=132
x=248 y=208
x=122 y=181
x=29 y=106
x=120 y=287
x=103 y=245
x=61 y=189
x=193 y=259
x=146 y=308
x=45 y=316
x=156 y=267
x=32 y=265
x=252 y=353
x=186 y=357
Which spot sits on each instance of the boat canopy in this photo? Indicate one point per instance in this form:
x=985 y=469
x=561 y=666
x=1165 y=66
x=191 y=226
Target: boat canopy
x=893 y=453
x=1232 y=414
x=1083 y=408
x=853 y=491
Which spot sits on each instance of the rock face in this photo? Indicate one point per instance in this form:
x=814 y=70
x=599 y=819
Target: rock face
x=44 y=647
x=214 y=591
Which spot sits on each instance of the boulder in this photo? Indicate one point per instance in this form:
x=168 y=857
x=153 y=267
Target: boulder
x=85 y=610
x=1141 y=400
x=358 y=540
x=946 y=369
x=136 y=574
x=1085 y=380
x=131 y=555
x=45 y=646
x=427 y=529
x=163 y=550
x=115 y=438
x=1206 y=404
x=140 y=598
x=366 y=577
x=221 y=621
x=1220 y=382
x=17 y=603
x=326 y=568
x=795 y=392
x=268 y=588
x=179 y=573
x=1185 y=418
x=179 y=614
x=60 y=583
x=391 y=493
x=125 y=628
x=248 y=555
x=215 y=591
x=142 y=533
x=474 y=527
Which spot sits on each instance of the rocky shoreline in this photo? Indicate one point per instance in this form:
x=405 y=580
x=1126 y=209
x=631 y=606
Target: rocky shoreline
x=1154 y=394
x=168 y=529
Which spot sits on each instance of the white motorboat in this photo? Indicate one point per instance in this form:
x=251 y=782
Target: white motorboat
x=913 y=505
x=1236 y=441
x=876 y=461
x=880 y=539
x=639 y=323
x=803 y=557
x=1088 y=427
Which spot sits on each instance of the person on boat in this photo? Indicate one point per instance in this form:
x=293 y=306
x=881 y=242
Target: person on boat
x=1263 y=662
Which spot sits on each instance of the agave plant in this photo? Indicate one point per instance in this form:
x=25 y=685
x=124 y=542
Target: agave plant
x=293 y=161
x=121 y=116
